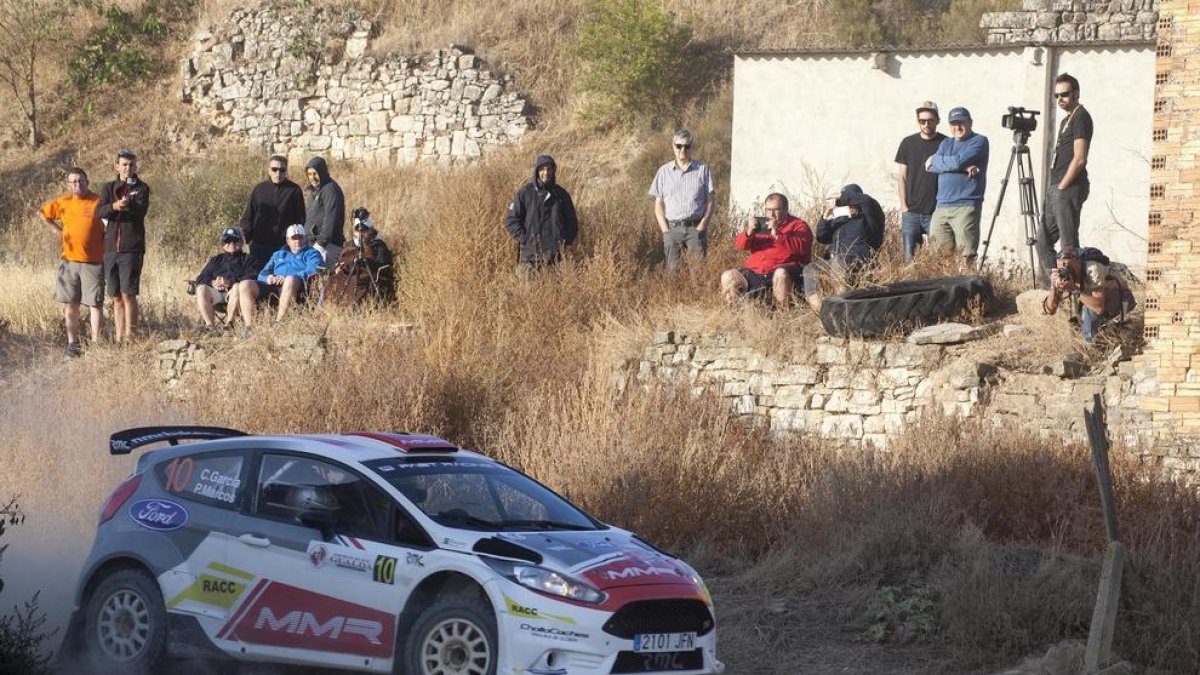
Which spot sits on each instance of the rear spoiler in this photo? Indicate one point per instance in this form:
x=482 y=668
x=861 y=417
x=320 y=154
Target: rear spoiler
x=125 y=442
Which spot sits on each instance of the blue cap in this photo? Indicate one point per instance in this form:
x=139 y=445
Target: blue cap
x=959 y=114
x=231 y=234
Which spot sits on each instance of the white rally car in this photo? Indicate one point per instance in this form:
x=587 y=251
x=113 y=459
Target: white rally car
x=377 y=552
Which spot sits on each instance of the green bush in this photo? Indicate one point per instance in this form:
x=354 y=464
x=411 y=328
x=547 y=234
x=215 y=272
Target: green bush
x=635 y=56
x=122 y=48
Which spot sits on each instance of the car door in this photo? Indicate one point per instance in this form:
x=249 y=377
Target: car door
x=322 y=600
x=206 y=490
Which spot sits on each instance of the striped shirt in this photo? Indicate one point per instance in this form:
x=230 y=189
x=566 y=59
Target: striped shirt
x=684 y=191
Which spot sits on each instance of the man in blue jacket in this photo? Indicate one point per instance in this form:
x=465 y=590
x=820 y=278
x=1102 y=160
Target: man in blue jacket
x=289 y=268
x=961 y=167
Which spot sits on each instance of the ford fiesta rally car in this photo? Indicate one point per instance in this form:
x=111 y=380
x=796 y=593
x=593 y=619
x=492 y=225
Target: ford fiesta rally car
x=379 y=552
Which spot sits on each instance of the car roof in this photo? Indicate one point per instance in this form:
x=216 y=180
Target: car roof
x=350 y=448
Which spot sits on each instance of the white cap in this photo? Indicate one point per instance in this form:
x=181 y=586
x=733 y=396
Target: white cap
x=296 y=229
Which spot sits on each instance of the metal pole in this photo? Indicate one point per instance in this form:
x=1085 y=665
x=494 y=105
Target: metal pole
x=1098 y=652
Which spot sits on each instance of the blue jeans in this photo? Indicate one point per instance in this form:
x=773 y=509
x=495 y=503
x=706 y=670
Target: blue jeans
x=1089 y=323
x=912 y=227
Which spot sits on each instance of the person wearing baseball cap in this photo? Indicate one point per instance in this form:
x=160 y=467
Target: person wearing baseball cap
x=916 y=187
x=286 y=273
x=226 y=280
x=961 y=166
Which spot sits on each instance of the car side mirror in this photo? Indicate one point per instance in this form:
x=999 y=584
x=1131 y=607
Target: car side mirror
x=322 y=520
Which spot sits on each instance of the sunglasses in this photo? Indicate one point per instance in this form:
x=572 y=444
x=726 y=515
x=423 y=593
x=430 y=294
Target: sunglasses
x=683 y=146
x=1063 y=94
x=231 y=240
x=921 y=121
x=279 y=169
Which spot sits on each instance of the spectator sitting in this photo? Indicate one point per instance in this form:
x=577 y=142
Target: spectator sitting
x=364 y=268
x=288 y=270
x=227 y=278
x=853 y=228
x=1085 y=272
x=778 y=253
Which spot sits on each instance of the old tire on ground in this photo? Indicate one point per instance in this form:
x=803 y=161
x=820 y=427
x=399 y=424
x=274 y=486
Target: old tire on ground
x=455 y=636
x=880 y=310
x=125 y=627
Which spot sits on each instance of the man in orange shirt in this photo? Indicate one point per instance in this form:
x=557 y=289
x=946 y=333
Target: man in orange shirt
x=80 y=278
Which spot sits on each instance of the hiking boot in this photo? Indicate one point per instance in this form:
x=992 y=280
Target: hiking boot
x=72 y=350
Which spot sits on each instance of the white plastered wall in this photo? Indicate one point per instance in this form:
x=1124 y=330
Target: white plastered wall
x=805 y=124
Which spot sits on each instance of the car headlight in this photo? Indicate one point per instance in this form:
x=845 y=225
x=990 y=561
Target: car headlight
x=545 y=581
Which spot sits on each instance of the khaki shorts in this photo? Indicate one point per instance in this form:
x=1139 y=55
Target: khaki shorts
x=79 y=283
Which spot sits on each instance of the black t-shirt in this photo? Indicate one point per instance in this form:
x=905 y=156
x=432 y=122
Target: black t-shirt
x=920 y=187
x=1075 y=125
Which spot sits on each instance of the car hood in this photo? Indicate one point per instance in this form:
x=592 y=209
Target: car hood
x=606 y=559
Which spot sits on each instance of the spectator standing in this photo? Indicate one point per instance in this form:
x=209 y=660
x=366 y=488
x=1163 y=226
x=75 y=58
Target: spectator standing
x=123 y=206
x=853 y=229
x=364 y=269
x=287 y=272
x=541 y=217
x=916 y=187
x=683 y=201
x=1069 y=185
x=227 y=278
x=961 y=166
x=80 y=277
x=275 y=204
x=326 y=209
x=779 y=250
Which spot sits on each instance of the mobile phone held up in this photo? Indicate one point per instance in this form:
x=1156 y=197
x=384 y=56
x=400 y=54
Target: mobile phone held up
x=841 y=212
x=760 y=224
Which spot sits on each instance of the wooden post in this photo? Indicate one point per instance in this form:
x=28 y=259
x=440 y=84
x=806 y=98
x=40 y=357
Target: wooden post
x=1098 y=653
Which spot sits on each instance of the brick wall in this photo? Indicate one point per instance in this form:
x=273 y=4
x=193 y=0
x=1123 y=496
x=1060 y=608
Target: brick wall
x=1173 y=274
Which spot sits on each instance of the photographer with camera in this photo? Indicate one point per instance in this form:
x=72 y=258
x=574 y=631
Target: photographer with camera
x=122 y=209
x=364 y=270
x=780 y=245
x=1084 y=274
x=960 y=163
x=853 y=228
x=1069 y=186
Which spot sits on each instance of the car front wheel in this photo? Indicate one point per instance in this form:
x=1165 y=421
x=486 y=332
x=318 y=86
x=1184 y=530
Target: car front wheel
x=456 y=636
x=126 y=624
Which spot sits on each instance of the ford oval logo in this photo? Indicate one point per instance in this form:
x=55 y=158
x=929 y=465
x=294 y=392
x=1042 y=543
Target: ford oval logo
x=159 y=515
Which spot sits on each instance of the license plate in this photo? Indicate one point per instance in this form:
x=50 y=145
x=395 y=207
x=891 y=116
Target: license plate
x=664 y=642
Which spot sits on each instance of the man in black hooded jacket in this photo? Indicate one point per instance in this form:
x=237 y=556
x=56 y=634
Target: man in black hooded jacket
x=326 y=211
x=541 y=217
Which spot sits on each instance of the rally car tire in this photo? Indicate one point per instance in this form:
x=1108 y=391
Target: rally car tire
x=454 y=636
x=880 y=310
x=125 y=627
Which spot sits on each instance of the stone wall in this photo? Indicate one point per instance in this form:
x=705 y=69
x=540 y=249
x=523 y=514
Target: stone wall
x=297 y=80
x=1049 y=21
x=863 y=392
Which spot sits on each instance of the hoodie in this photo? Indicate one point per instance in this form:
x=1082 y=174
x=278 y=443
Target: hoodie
x=541 y=218
x=853 y=237
x=326 y=207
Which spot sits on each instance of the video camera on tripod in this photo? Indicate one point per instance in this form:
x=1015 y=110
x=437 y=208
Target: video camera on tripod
x=1020 y=120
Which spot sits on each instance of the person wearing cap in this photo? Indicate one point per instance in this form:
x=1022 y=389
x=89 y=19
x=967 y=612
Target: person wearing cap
x=541 y=217
x=326 y=209
x=226 y=279
x=80 y=277
x=779 y=249
x=274 y=204
x=853 y=229
x=916 y=187
x=1069 y=186
x=961 y=166
x=1089 y=281
x=123 y=206
x=364 y=269
x=683 y=201
x=286 y=273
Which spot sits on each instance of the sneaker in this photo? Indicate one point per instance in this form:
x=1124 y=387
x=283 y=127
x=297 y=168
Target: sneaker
x=72 y=349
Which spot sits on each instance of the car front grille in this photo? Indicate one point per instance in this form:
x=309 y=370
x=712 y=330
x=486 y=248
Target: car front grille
x=658 y=662
x=660 y=616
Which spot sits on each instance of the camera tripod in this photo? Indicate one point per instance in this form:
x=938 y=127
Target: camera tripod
x=1030 y=212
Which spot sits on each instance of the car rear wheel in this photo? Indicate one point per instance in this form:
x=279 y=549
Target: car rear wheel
x=126 y=624
x=456 y=636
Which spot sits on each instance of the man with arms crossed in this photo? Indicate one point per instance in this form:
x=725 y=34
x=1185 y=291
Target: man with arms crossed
x=1069 y=186
x=683 y=201
x=916 y=187
x=123 y=206
x=961 y=167
x=80 y=278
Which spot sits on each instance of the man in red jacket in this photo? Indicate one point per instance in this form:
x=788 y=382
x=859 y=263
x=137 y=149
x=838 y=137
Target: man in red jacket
x=779 y=249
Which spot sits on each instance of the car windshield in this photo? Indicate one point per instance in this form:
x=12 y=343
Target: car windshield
x=479 y=495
